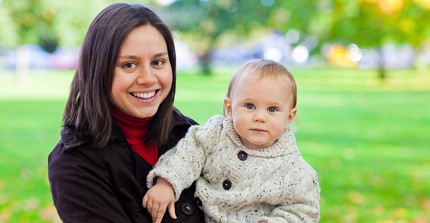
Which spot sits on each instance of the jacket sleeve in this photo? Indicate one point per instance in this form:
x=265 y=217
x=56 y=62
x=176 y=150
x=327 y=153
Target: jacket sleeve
x=81 y=188
x=302 y=206
x=183 y=164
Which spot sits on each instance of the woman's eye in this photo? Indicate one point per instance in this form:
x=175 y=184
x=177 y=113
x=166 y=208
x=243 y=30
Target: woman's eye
x=272 y=109
x=128 y=65
x=249 y=106
x=158 y=62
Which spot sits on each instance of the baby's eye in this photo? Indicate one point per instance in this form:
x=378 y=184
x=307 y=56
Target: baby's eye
x=272 y=109
x=249 y=106
x=128 y=65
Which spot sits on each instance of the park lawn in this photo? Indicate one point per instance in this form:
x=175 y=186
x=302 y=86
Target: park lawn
x=368 y=139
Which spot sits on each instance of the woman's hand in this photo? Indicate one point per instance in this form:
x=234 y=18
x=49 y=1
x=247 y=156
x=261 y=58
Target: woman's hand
x=158 y=198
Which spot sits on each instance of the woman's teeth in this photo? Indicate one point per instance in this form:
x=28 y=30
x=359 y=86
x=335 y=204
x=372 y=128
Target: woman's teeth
x=144 y=95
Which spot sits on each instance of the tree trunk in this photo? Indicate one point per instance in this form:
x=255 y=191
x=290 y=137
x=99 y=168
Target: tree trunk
x=205 y=55
x=381 y=65
x=205 y=63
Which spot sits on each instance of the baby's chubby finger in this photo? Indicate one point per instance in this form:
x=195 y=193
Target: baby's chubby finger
x=171 y=209
x=145 y=201
x=154 y=211
x=158 y=213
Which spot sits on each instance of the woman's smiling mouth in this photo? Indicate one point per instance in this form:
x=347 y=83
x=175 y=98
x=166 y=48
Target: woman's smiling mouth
x=146 y=95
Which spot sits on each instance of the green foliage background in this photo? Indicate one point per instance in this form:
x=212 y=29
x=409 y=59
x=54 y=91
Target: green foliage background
x=367 y=139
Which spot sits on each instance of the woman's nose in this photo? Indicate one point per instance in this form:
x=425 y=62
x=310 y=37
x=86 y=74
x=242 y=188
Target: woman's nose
x=146 y=76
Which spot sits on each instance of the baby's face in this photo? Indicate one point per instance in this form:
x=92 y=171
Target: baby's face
x=261 y=109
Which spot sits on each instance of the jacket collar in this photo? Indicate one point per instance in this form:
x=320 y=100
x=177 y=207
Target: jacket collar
x=71 y=139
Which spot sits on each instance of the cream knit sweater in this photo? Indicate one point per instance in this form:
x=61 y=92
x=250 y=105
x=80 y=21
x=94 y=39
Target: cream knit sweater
x=239 y=185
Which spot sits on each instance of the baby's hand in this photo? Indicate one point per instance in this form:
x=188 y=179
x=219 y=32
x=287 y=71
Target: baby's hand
x=158 y=198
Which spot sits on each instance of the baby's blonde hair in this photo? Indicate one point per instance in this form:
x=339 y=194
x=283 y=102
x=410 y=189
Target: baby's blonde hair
x=264 y=68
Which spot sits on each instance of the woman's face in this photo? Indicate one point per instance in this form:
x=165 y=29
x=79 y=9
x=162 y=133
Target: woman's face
x=143 y=75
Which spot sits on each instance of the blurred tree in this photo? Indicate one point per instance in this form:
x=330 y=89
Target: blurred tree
x=367 y=23
x=72 y=19
x=202 y=23
x=308 y=17
x=373 y=23
x=47 y=23
x=31 y=21
x=8 y=34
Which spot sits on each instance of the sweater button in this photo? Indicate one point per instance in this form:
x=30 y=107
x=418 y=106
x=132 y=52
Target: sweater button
x=226 y=184
x=242 y=155
x=187 y=209
x=198 y=201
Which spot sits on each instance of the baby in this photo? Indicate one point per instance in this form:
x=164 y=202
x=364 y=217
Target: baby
x=247 y=165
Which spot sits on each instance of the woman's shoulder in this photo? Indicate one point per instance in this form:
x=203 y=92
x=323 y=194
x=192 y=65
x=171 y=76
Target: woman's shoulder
x=81 y=161
x=73 y=148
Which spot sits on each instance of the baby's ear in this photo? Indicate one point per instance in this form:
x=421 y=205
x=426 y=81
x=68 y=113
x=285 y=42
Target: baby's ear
x=227 y=106
x=292 y=115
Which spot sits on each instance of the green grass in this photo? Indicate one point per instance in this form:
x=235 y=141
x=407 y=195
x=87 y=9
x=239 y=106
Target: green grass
x=368 y=139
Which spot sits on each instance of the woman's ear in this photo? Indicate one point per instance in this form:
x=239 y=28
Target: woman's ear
x=227 y=106
x=292 y=115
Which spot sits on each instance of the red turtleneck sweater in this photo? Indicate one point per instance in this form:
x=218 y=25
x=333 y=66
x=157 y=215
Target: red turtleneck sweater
x=134 y=130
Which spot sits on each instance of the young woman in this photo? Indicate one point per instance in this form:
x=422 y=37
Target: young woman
x=118 y=120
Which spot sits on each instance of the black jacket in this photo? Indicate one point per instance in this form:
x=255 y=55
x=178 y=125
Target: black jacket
x=107 y=185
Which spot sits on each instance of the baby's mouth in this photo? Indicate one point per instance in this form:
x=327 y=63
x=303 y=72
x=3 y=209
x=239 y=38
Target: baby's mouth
x=258 y=130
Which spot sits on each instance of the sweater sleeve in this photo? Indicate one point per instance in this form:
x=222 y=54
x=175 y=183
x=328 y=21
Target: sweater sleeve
x=183 y=164
x=302 y=205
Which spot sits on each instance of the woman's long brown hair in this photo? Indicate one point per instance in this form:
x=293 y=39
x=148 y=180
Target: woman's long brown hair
x=88 y=108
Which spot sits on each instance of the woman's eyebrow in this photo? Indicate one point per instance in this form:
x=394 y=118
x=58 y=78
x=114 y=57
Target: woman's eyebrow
x=128 y=56
x=160 y=54
x=135 y=57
